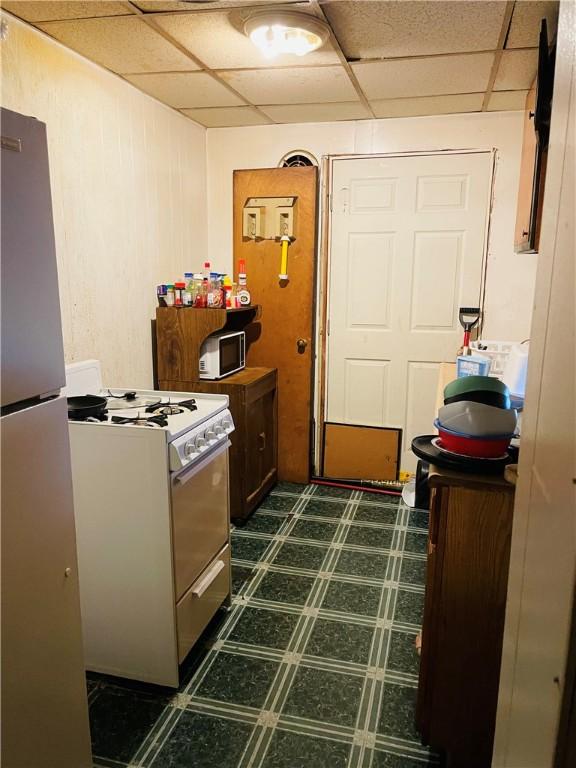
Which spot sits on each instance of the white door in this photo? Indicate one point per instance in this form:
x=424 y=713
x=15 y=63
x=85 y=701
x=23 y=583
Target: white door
x=407 y=250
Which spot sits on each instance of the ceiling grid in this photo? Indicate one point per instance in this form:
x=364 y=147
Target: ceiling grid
x=383 y=58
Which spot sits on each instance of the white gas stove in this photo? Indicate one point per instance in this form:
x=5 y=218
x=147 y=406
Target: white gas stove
x=193 y=424
x=151 y=502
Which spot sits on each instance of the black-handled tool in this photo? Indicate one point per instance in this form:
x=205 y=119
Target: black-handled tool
x=469 y=318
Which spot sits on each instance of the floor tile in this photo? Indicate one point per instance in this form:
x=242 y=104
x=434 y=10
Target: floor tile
x=203 y=741
x=409 y=607
x=120 y=720
x=329 y=697
x=387 y=760
x=372 y=565
x=331 y=492
x=373 y=514
x=402 y=656
x=384 y=498
x=413 y=571
x=258 y=626
x=369 y=536
x=241 y=575
x=296 y=750
x=278 y=503
x=263 y=523
x=284 y=487
x=340 y=640
x=301 y=556
x=362 y=599
x=324 y=508
x=418 y=518
x=284 y=588
x=398 y=712
x=416 y=541
x=318 y=530
x=248 y=548
x=238 y=679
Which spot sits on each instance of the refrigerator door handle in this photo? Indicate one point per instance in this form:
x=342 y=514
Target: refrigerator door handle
x=14 y=144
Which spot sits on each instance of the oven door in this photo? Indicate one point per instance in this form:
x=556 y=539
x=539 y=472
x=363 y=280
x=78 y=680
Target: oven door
x=200 y=515
x=230 y=353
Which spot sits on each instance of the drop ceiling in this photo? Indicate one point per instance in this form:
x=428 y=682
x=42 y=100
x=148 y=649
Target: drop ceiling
x=383 y=58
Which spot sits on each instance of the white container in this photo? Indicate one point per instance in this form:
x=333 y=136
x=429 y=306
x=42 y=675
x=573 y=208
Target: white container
x=516 y=368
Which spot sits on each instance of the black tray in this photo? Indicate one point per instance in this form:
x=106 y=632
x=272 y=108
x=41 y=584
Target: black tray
x=423 y=448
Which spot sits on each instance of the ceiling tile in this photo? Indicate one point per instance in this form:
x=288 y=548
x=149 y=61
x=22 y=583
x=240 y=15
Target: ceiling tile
x=425 y=76
x=517 y=70
x=292 y=86
x=56 y=11
x=317 y=113
x=428 y=105
x=123 y=44
x=504 y=100
x=525 y=27
x=387 y=29
x=217 y=40
x=185 y=90
x=226 y=117
x=152 y=6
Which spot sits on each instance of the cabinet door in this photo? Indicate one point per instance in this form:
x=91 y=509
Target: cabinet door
x=438 y=504
x=260 y=443
x=522 y=235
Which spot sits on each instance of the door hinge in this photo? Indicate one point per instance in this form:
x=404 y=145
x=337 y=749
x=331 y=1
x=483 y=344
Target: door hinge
x=330 y=199
x=328 y=327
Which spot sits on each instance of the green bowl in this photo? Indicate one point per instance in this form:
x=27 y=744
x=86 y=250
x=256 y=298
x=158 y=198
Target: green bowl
x=474 y=384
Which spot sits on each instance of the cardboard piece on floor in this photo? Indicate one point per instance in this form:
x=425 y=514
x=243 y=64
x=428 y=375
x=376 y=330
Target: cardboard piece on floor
x=361 y=453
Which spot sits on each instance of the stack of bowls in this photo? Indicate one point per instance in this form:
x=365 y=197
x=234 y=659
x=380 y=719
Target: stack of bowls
x=476 y=419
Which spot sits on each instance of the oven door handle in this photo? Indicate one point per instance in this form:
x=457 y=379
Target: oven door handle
x=201 y=586
x=188 y=474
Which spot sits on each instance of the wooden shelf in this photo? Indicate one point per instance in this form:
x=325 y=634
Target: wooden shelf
x=181 y=331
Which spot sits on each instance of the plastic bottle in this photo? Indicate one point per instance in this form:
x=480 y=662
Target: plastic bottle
x=227 y=287
x=243 y=295
x=179 y=288
x=161 y=294
x=188 y=298
x=170 y=296
x=214 y=291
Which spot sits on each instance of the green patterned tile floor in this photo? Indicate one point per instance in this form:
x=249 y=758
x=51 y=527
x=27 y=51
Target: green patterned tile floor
x=314 y=665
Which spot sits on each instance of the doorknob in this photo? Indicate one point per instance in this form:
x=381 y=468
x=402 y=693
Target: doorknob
x=301 y=344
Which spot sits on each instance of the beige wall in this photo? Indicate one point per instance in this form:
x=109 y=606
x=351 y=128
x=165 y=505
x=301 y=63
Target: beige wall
x=128 y=186
x=510 y=277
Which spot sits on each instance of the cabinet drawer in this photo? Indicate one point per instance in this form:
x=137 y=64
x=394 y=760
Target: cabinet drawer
x=200 y=603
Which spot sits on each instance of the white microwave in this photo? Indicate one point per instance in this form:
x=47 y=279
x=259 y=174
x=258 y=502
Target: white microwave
x=222 y=354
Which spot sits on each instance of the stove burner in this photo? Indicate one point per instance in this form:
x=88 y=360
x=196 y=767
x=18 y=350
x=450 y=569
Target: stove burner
x=143 y=421
x=169 y=409
x=164 y=410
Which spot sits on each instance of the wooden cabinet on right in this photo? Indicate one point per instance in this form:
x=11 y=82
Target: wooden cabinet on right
x=467 y=575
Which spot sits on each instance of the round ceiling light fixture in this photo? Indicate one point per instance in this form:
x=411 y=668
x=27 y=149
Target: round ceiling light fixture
x=285 y=32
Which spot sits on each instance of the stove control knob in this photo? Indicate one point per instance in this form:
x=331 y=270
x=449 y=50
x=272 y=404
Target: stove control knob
x=210 y=434
x=227 y=423
x=200 y=441
x=190 y=448
x=219 y=429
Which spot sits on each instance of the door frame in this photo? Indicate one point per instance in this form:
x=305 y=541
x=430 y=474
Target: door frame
x=323 y=269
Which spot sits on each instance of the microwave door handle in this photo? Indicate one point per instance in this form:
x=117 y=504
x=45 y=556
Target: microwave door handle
x=187 y=474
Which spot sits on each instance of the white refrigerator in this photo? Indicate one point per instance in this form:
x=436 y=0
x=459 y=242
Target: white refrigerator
x=44 y=720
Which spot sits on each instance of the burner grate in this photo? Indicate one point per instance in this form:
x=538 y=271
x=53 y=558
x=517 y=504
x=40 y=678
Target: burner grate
x=170 y=409
x=143 y=421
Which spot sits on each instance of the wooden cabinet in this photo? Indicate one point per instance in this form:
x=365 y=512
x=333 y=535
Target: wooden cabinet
x=467 y=574
x=252 y=392
x=254 y=451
